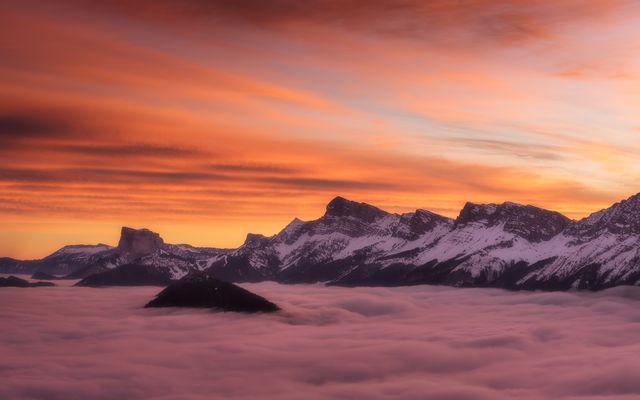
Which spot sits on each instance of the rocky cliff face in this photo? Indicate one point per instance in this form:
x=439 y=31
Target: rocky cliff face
x=139 y=242
x=341 y=207
x=622 y=218
x=532 y=223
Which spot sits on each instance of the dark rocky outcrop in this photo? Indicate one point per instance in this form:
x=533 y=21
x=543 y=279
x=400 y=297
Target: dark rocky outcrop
x=200 y=290
x=14 y=281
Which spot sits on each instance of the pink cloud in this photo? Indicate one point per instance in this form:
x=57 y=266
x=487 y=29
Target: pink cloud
x=329 y=343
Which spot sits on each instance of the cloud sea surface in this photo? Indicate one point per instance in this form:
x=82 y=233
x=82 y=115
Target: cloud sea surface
x=419 y=342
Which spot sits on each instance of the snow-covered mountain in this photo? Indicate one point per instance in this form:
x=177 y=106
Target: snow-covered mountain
x=144 y=247
x=599 y=251
x=61 y=262
x=505 y=245
x=348 y=235
x=136 y=246
x=501 y=245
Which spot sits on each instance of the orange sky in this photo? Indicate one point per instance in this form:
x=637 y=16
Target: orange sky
x=205 y=120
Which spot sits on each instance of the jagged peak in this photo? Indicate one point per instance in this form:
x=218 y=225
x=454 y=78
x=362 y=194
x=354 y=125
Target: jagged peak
x=483 y=210
x=633 y=197
x=472 y=212
x=423 y=213
x=490 y=208
x=341 y=207
x=630 y=203
x=295 y=223
x=531 y=222
x=414 y=224
x=254 y=239
x=292 y=227
x=622 y=217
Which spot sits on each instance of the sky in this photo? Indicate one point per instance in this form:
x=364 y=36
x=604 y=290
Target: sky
x=206 y=120
x=328 y=343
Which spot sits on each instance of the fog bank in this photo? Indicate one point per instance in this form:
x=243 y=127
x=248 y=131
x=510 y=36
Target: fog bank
x=329 y=343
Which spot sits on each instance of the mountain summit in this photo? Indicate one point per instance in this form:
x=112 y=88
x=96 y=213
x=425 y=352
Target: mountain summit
x=139 y=242
x=341 y=207
x=622 y=218
x=533 y=223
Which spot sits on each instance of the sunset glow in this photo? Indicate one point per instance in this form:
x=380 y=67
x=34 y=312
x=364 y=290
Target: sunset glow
x=208 y=120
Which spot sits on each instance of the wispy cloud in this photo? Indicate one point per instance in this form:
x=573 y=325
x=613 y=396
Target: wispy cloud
x=237 y=116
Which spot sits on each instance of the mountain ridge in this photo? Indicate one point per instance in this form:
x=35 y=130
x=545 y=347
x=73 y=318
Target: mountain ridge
x=507 y=245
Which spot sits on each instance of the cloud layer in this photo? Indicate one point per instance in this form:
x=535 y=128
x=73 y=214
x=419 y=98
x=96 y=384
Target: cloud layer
x=471 y=22
x=329 y=343
x=209 y=119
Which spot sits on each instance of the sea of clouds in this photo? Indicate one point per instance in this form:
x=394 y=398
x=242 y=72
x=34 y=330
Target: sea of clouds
x=418 y=342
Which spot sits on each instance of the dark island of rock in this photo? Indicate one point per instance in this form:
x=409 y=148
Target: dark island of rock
x=128 y=275
x=200 y=290
x=14 y=281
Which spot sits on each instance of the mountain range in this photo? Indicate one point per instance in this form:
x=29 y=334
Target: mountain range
x=506 y=245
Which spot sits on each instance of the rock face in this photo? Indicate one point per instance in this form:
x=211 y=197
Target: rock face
x=129 y=275
x=622 y=218
x=532 y=223
x=341 y=207
x=597 y=252
x=13 y=281
x=200 y=290
x=139 y=242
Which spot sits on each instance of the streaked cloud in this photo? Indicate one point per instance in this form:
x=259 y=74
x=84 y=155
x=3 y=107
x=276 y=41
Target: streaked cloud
x=210 y=119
